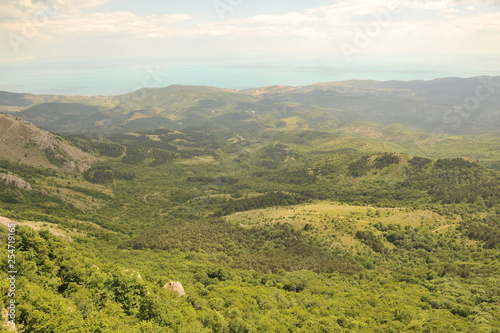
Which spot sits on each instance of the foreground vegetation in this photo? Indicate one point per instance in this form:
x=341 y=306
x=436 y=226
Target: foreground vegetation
x=292 y=232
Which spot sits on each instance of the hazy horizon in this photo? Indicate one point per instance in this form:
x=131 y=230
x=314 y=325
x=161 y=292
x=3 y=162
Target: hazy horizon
x=111 y=91
x=108 y=47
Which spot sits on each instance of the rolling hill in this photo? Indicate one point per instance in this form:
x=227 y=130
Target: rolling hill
x=448 y=105
x=460 y=105
x=277 y=214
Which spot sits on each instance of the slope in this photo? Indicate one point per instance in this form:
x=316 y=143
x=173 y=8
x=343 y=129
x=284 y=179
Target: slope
x=23 y=142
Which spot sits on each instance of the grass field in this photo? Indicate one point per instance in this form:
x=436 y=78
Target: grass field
x=336 y=224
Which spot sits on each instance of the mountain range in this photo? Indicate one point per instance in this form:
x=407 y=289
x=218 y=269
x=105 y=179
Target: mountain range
x=354 y=206
x=447 y=105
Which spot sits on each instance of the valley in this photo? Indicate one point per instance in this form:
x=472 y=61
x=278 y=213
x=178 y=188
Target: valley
x=348 y=206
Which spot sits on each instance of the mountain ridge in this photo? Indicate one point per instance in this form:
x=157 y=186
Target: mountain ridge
x=445 y=105
x=276 y=216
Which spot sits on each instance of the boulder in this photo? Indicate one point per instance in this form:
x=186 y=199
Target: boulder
x=8 y=325
x=18 y=182
x=175 y=286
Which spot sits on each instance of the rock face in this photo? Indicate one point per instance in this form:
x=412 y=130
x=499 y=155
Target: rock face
x=175 y=286
x=18 y=182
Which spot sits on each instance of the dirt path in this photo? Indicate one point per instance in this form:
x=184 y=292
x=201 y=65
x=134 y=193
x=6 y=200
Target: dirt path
x=446 y=226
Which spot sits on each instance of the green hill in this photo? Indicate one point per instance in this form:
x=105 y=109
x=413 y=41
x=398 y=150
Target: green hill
x=275 y=213
x=284 y=237
x=447 y=105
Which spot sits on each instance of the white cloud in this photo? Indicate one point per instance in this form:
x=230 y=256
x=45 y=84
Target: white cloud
x=326 y=26
x=25 y=10
x=12 y=10
x=119 y=22
x=332 y=21
x=447 y=4
x=345 y=18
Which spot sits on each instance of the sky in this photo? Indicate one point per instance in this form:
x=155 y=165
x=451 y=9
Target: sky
x=107 y=47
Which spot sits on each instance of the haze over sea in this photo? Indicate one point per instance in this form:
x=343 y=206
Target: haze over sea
x=79 y=78
x=111 y=46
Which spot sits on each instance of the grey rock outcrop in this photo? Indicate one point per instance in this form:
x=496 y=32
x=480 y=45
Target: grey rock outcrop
x=175 y=286
x=18 y=182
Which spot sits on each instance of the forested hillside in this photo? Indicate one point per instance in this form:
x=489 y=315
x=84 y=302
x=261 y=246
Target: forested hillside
x=448 y=105
x=268 y=238
x=268 y=227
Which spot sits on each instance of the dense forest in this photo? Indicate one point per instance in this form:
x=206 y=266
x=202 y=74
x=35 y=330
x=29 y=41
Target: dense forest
x=281 y=233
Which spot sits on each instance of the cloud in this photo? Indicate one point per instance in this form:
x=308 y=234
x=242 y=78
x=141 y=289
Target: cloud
x=326 y=22
x=424 y=26
x=25 y=10
x=119 y=22
x=446 y=5
x=346 y=18
x=12 y=10
x=98 y=24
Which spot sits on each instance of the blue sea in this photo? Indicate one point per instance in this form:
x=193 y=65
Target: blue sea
x=111 y=78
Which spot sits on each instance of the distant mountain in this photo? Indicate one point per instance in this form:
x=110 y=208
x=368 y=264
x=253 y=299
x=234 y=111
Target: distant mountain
x=21 y=141
x=13 y=99
x=444 y=105
x=448 y=105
